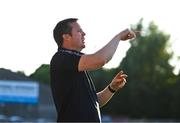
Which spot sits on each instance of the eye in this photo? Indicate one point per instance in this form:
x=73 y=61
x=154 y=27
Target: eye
x=80 y=30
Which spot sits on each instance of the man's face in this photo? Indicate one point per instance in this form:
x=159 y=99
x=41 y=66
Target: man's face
x=77 y=38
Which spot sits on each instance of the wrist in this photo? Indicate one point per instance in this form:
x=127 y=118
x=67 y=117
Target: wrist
x=111 y=89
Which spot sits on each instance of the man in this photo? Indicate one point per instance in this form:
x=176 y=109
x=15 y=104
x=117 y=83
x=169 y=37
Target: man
x=73 y=90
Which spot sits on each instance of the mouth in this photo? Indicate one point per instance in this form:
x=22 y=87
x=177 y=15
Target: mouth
x=83 y=39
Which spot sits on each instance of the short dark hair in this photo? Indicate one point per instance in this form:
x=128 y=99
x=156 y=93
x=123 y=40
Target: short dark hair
x=63 y=27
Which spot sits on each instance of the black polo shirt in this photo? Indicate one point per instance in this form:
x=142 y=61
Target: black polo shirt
x=73 y=91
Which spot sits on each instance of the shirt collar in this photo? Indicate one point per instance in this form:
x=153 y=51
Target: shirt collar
x=61 y=49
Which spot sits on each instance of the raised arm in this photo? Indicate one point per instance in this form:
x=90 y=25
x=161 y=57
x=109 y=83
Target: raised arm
x=104 y=55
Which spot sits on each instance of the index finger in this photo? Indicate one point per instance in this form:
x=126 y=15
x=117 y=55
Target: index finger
x=136 y=32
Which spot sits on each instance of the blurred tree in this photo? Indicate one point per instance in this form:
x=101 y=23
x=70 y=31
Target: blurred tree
x=150 y=75
x=175 y=101
x=42 y=74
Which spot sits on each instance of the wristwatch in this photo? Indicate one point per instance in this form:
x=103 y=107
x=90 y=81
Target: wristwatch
x=111 y=90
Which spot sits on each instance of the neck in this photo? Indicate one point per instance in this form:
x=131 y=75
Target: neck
x=71 y=48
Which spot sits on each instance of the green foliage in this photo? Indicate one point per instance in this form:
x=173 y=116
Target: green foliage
x=42 y=74
x=150 y=76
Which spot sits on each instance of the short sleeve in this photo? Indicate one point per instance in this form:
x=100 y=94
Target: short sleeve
x=67 y=62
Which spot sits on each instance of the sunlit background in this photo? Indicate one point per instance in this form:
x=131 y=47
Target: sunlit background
x=26 y=39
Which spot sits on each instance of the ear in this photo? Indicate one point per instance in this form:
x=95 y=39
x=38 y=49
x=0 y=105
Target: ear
x=66 y=36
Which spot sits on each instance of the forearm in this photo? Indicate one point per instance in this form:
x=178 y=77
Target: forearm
x=104 y=96
x=106 y=53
